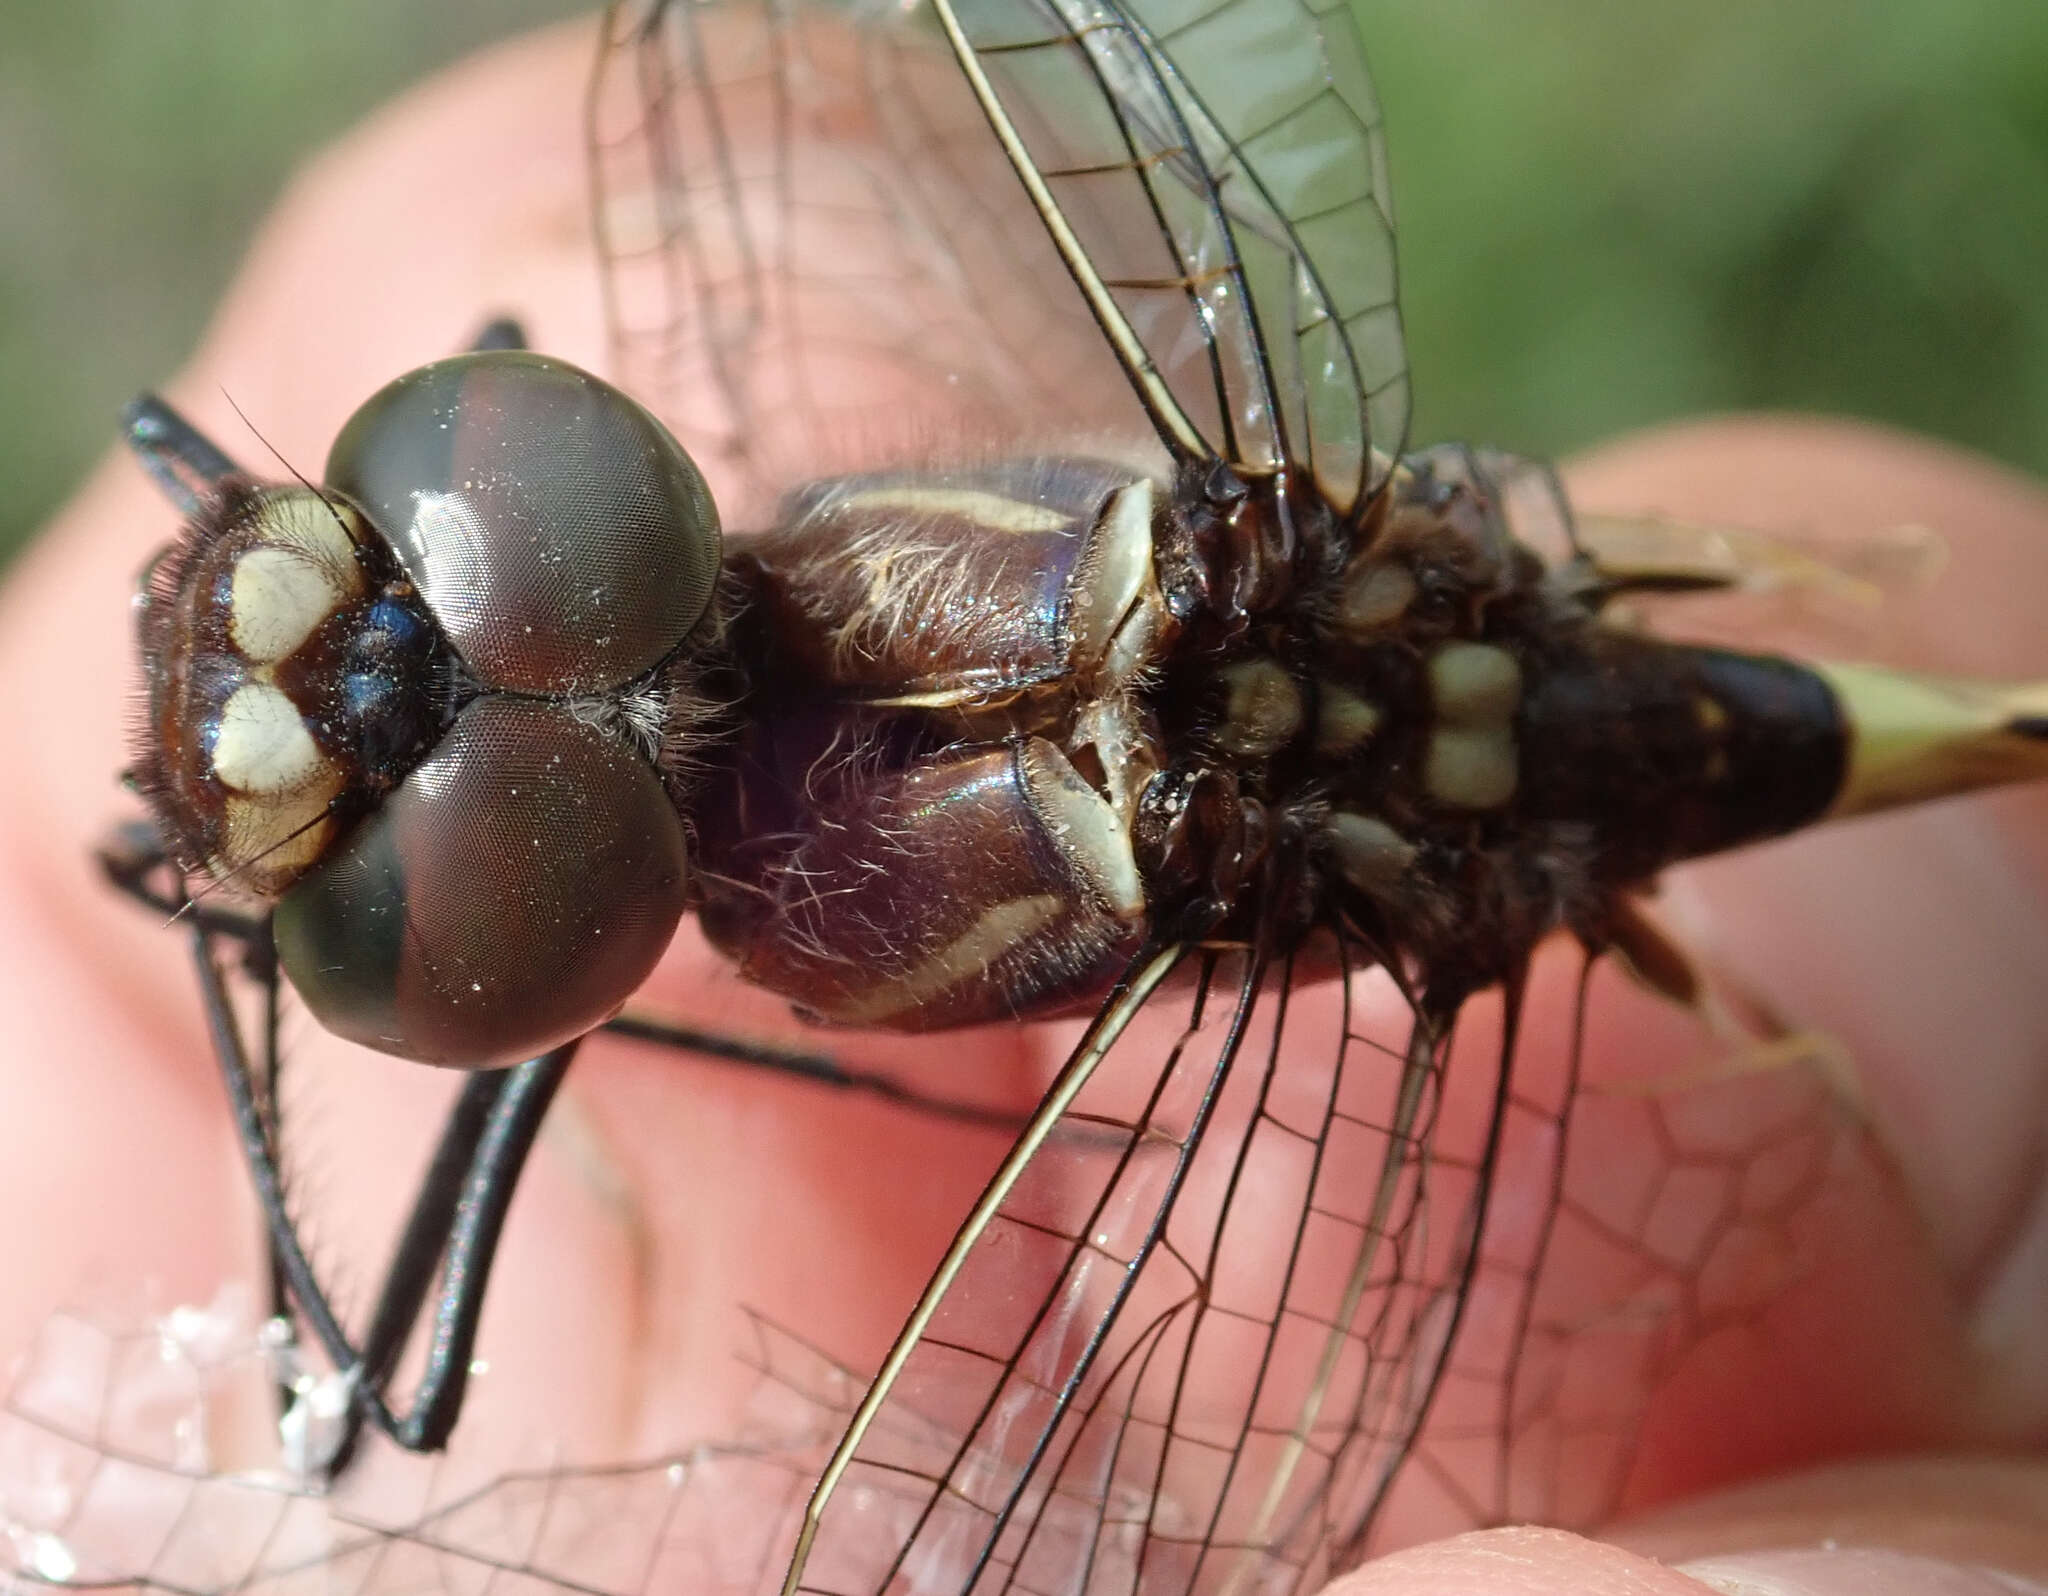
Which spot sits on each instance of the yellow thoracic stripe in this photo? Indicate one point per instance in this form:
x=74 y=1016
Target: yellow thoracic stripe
x=991 y=510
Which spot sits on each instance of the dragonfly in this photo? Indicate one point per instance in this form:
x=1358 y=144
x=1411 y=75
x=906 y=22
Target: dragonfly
x=1203 y=711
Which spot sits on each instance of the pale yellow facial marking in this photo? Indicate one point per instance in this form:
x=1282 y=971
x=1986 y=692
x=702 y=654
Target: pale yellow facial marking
x=995 y=931
x=297 y=519
x=1261 y=709
x=263 y=749
x=1371 y=854
x=1375 y=596
x=1710 y=713
x=1471 y=767
x=270 y=842
x=271 y=845
x=277 y=598
x=984 y=509
x=1475 y=684
x=1344 y=721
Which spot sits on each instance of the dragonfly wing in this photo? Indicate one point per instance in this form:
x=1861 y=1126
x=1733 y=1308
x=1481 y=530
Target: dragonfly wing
x=815 y=259
x=1660 y=1198
x=1205 y=1292
x=1258 y=315
x=109 y=1428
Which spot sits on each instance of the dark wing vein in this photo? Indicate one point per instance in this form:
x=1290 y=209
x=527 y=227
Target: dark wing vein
x=108 y=1484
x=1193 y=1328
x=815 y=259
x=1260 y=309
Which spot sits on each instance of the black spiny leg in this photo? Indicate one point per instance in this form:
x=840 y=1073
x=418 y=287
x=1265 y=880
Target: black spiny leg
x=134 y=861
x=186 y=463
x=457 y=1217
x=500 y=332
x=455 y=1224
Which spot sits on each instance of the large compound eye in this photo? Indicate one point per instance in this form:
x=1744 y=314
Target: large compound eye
x=562 y=538
x=507 y=896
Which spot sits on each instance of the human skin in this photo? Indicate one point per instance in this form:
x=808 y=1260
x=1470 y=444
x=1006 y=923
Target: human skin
x=1920 y=939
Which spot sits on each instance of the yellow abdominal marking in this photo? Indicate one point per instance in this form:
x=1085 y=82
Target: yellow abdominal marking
x=1912 y=738
x=1370 y=854
x=984 y=509
x=1470 y=769
x=1475 y=684
x=1472 y=762
x=1375 y=596
x=994 y=932
x=1262 y=708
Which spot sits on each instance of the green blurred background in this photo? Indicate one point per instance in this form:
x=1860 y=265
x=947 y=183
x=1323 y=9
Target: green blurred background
x=1612 y=211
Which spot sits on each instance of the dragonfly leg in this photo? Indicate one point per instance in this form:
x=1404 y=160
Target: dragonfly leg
x=500 y=332
x=806 y=1064
x=134 y=860
x=454 y=1228
x=185 y=463
x=1754 y=1037
x=451 y=1235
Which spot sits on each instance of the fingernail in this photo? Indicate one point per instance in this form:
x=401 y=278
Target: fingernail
x=1852 y=1571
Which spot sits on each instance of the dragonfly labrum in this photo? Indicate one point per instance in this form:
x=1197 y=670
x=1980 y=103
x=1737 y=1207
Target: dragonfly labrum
x=1193 y=696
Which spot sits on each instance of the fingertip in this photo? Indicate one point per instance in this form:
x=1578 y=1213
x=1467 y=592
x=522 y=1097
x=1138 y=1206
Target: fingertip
x=1979 y=1509
x=1851 y=1571
x=1519 y=1561
x=1913 y=939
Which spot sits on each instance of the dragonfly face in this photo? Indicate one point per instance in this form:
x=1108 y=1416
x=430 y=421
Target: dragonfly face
x=1161 y=685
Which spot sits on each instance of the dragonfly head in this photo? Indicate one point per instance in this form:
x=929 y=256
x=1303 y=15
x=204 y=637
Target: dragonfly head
x=434 y=711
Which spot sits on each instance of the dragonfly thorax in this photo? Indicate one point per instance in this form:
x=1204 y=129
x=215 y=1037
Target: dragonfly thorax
x=1004 y=722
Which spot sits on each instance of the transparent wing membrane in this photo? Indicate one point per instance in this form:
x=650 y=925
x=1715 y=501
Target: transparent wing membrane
x=121 y=1437
x=815 y=258
x=806 y=220
x=1329 y=1371
x=1263 y=299
x=1193 y=1335
x=1658 y=1198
